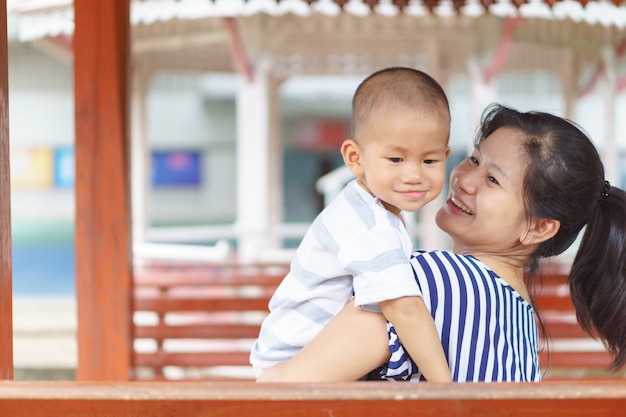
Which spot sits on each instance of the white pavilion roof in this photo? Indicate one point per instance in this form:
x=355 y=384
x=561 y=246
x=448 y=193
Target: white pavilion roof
x=41 y=18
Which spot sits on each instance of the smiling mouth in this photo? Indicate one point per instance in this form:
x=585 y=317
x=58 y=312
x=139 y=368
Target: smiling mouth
x=460 y=205
x=414 y=194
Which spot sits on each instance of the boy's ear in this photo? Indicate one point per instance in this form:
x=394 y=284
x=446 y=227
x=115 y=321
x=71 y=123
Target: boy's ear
x=351 y=153
x=540 y=231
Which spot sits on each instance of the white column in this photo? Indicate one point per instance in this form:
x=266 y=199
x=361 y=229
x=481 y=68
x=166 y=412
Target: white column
x=430 y=236
x=258 y=165
x=610 y=153
x=482 y=93
x=568 y=74
x=275 y=154
x=139 y=157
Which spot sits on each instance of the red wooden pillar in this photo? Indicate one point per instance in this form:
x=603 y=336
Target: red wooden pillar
x=103 y=258
x=6 y=293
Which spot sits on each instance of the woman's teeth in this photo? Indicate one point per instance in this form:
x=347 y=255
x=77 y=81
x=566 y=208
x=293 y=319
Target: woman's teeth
x=460 y=205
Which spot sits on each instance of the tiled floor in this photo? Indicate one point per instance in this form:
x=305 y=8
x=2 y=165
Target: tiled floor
x=44 y=337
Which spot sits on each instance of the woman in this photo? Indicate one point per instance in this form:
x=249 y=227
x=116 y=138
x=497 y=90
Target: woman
x=532 y=183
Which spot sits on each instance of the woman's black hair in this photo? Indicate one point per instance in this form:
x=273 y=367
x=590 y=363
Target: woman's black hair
x=565 y=181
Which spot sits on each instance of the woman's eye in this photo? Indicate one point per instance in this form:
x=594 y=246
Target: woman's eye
x=493 y=180
x=473 y=160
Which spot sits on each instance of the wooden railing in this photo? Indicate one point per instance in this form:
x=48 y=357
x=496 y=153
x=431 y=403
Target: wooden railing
x=567 y=351
x=198 y=322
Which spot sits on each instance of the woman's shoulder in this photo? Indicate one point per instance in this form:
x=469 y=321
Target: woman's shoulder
x=445 y=258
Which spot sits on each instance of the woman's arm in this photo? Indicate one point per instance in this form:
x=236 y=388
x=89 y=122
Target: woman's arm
x=351 y=345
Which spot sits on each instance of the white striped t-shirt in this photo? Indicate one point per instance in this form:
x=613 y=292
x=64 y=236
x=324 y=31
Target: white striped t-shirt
x=488 y=331
x=355 y=245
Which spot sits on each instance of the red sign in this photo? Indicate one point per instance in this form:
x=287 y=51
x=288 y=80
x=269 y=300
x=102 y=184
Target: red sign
x=320 y=135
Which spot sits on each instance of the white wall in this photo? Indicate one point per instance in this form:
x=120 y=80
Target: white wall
x=182 y=116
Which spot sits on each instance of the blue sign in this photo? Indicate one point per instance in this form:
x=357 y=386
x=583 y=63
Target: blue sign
x=64 y=166
x=176 y=168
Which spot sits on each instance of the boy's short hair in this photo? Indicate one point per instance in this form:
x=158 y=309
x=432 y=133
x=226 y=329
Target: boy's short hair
x=393 y=87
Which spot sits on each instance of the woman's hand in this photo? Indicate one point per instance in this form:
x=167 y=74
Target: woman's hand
x=350 y=346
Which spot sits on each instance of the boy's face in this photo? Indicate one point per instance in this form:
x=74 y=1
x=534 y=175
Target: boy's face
x=400 y=157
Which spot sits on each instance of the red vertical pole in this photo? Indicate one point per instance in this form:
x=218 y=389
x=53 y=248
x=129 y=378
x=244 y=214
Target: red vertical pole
x=103 y=258
x=6 y=292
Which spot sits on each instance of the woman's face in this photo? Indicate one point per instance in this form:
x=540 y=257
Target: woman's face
x=484 y=212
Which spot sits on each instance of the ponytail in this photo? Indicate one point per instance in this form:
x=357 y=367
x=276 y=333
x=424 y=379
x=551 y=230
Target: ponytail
x=598 y=275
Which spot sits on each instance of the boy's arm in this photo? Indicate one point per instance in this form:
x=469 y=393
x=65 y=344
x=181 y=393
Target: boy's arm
x=417 y=332
x=352 y=344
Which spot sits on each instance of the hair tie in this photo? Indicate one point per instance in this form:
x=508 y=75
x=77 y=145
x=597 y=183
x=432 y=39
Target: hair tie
x=607 y=187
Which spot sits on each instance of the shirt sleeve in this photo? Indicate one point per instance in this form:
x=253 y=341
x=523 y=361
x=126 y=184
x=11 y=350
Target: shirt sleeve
x=378 y=260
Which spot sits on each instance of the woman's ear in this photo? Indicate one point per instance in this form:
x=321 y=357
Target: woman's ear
x=351 y=153
x=540 y=230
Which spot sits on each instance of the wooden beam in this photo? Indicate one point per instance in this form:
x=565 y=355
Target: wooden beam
x=246 y=399
x=239 y=54
x=103 y=257
x=504 y=45
x=6 y=292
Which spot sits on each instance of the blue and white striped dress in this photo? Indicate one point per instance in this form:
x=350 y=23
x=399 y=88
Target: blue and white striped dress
x=487 y=329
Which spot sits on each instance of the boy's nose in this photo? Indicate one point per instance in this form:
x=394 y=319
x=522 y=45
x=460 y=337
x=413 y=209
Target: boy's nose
x=413 y=175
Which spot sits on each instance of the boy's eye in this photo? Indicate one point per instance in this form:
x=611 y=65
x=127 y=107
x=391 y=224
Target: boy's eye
x=395 y=160
x=430 y=161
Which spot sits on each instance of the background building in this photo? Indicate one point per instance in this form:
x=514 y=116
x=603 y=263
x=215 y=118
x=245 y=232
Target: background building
x=191 y=128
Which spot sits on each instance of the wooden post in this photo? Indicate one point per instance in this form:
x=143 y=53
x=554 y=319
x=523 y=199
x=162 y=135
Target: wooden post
x=103 y=255
x=6 y=292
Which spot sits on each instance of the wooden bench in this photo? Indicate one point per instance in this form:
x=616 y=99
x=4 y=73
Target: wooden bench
x=601 y=398
x=199 y=321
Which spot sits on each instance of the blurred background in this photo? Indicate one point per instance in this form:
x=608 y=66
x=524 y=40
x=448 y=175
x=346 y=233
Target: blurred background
x=187 y=79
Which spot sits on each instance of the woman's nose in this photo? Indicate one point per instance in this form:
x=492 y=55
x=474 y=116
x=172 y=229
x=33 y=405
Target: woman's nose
x=463 y=181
